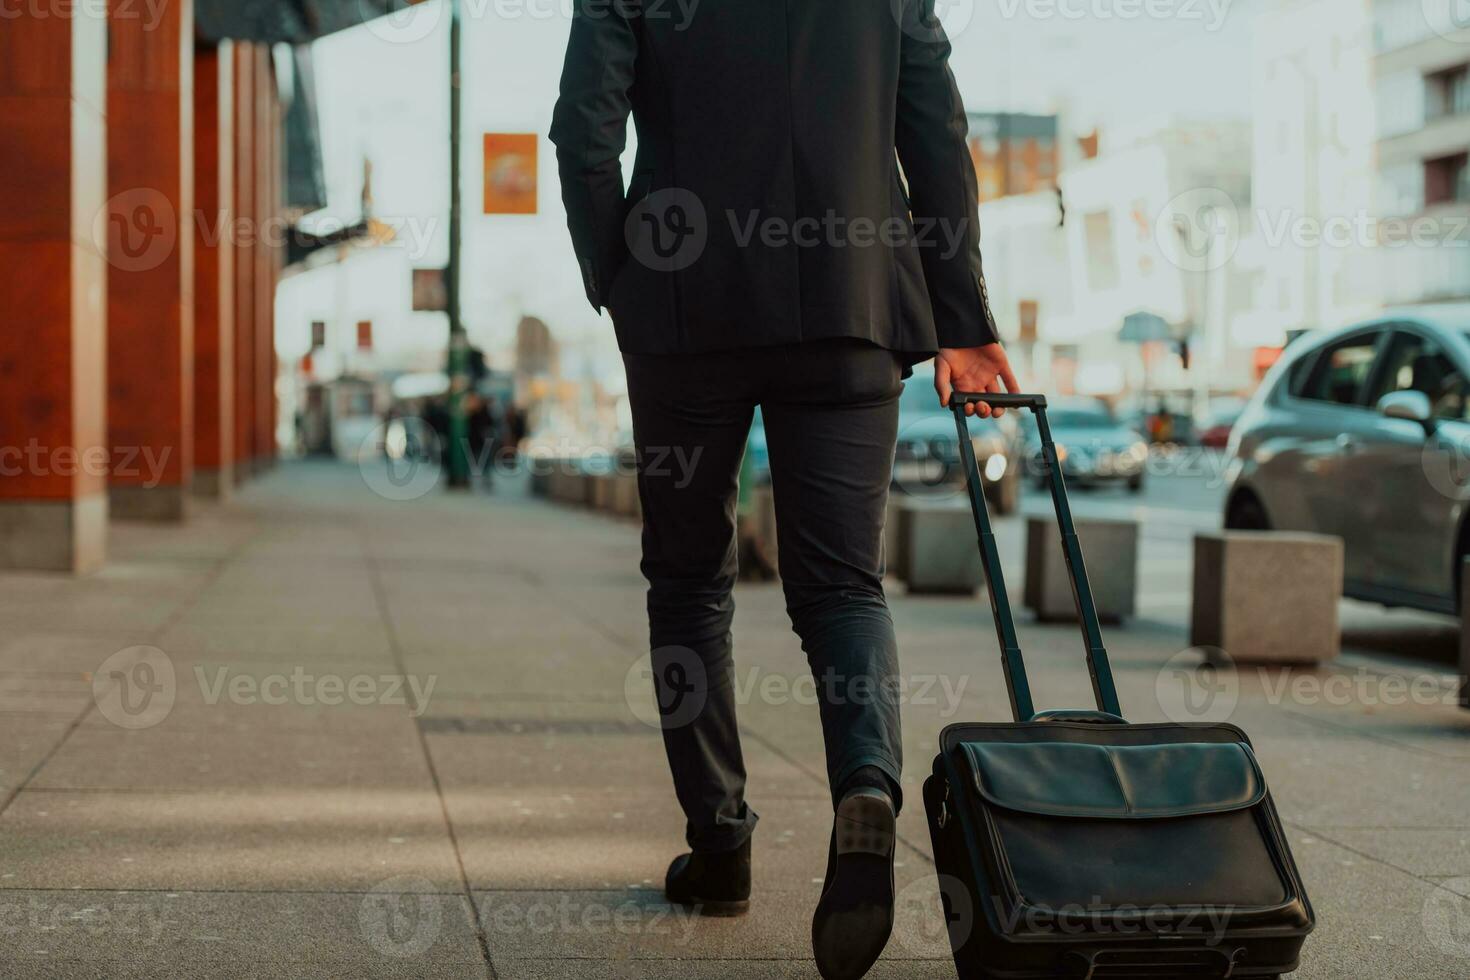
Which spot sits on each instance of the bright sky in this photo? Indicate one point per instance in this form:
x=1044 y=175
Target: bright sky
x=382 y=96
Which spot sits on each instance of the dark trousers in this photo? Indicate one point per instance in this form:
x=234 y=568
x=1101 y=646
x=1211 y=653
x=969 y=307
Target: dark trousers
x=830 y=410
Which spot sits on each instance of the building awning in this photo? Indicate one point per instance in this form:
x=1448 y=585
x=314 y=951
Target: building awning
x=291 y=21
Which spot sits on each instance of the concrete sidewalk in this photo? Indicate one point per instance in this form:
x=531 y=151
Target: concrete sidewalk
x=319 y=733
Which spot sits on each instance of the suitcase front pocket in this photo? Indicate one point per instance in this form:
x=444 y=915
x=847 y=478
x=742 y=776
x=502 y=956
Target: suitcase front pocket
x=1112 y=838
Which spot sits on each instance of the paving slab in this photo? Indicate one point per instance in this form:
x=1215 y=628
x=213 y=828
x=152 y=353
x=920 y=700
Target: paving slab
x=637 y=924
x=170 y=935
x=619 y=754
x=161 y=758
x=307 y=839
x=1376 y=921
x=708 y=969
x=265 y=639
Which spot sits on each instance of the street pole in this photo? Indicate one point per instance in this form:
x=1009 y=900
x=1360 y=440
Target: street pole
x=459 y=347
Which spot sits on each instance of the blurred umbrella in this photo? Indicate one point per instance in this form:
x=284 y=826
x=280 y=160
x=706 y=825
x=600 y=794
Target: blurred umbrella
x=1142 y=328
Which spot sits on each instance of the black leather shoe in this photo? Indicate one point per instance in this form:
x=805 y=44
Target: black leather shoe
x=713 y=883
x=855 y=916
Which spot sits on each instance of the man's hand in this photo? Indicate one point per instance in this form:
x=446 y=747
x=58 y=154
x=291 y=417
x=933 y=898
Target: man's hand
x=973 y=369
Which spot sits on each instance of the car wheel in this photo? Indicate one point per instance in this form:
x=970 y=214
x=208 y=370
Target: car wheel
x=1135 y=484
x=1246 y=514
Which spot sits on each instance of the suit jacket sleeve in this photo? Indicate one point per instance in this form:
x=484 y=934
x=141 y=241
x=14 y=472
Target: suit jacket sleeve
x=589 y=128
x=930 y=138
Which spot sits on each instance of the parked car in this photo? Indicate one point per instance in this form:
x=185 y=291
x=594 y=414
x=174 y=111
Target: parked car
x=1219 y=421
x=1362 y=433
x=1093 y=445
x=927 y=458
x=1174 y=428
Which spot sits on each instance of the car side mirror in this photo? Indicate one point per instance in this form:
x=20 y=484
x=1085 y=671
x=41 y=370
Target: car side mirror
x=1411 y=406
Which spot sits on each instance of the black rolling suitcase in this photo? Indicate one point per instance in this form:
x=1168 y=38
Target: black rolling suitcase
x=1071 y=844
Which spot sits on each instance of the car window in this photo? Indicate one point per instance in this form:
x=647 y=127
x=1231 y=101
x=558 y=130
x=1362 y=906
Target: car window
x=1416 y=363
x=1300 y=373
x=1342 y=370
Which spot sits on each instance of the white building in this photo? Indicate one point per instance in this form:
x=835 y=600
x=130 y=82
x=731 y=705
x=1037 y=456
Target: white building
x=1313 y=148
x=1153 y=224
x=1422 y=74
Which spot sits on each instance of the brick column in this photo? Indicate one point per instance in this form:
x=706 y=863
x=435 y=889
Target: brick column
x=150 y=352
x=214 y=271
x=267 y=167
x=244 y=239
x=53 y=182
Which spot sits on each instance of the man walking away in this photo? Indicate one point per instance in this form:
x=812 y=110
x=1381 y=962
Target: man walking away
x=769 y=251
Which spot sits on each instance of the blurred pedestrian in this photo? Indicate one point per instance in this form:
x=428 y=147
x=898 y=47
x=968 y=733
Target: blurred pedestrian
x=770 y=252
x=483 y=425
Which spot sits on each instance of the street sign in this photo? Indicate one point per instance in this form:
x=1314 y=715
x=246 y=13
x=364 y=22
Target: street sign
x=1029 y=314
x=430 y=291
x=510 y=173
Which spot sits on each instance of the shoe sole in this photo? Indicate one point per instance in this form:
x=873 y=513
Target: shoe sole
x=855 y=917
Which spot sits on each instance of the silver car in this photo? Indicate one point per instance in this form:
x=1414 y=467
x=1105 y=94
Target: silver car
x=927 y=454
x=1362 y=433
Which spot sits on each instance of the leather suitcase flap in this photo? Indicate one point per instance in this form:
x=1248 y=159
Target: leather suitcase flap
x=1115 y=782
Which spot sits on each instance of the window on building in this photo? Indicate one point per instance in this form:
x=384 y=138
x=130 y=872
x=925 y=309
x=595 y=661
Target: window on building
x=1102 y=253
x=1446 y=180
x=364 y=335
x=1447 y=93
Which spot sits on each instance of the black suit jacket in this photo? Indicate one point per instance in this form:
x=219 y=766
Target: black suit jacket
x=767 y=204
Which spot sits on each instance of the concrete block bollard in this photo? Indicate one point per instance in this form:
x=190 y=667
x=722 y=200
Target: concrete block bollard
x=1464 y=634
x=541 y=471
x=1111 y=548
x=601 y=488
x=556 y=482
x=895 y=536
x=571 y=486
x=625 y=494
x=937 y=547
x=1267 y=597
x=763 y=526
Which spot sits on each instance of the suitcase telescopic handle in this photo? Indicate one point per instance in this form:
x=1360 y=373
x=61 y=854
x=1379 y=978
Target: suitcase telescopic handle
x=1103 y=688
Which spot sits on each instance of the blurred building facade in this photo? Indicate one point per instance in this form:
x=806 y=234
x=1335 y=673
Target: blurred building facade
x=1421 y=67
x=144 y=210
x=1313 y=226
x=1013 y=153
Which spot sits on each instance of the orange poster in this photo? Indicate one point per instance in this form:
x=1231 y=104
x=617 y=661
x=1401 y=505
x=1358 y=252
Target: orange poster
x=510 y=173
